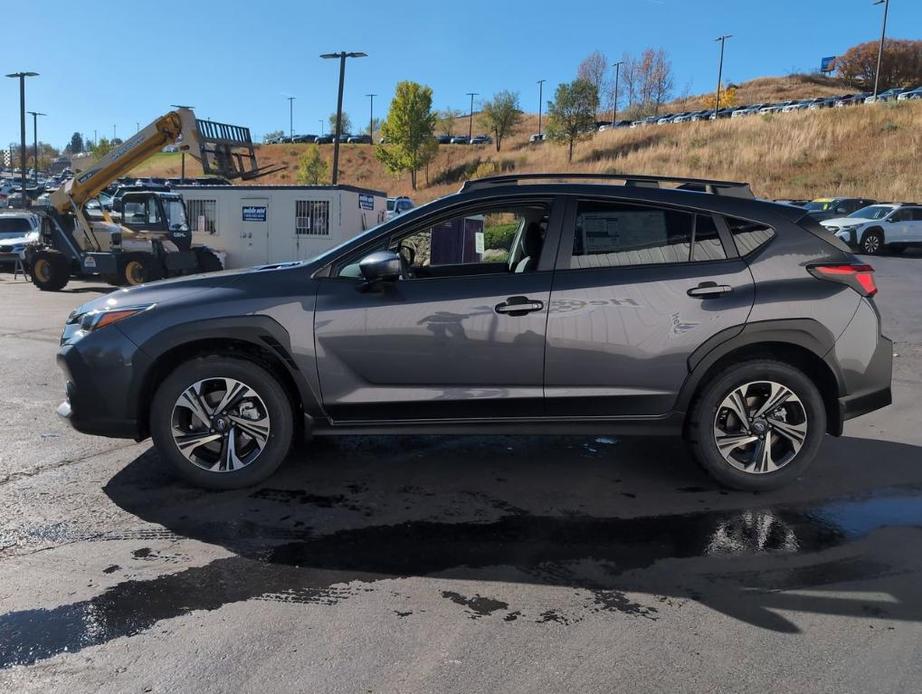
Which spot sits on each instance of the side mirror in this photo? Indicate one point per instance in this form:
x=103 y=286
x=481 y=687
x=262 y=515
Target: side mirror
x=380 y=266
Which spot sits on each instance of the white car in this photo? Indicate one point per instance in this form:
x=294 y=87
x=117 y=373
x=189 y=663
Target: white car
x=17 y=230
x=876 y=228
x=398 y=205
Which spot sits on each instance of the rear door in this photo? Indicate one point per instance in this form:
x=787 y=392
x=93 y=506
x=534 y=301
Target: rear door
x=637 y=289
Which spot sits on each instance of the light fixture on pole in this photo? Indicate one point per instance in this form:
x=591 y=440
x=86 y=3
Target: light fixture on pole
x=182 y=165
x=342 y=55
x=880 y=48
x=614 y=106
x=470 y=126
x=35 y=115
x=720 y=70
x=540 y=103
x=371 y=117
x=291 y=118
x=21 y=76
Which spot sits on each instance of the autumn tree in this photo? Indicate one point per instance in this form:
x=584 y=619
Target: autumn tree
x=727 y=98
x=901 y=65
x=592 y=69
x=571 y=116
x=312 y=167
x=500 y=115
x=408 y=131
x=448 y=120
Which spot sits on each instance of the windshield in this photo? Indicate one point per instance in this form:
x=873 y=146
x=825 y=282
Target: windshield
x=175 y=214
x=17 y=225
x=872 y=212
x=818 y=205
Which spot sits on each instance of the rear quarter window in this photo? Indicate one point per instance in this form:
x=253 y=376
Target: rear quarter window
x=749 y=236
x=809 y=224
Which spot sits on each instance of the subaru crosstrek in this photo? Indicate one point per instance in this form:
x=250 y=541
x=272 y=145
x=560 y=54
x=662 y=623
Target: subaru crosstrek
x=532 y=304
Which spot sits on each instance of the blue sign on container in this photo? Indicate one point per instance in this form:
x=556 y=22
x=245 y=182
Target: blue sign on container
x=254 y=213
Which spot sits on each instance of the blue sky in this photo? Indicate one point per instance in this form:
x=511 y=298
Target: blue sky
x=122 y=63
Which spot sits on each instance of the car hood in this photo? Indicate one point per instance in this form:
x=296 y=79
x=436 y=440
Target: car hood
x=846 y=221
x=15 y=238
x=167 y=291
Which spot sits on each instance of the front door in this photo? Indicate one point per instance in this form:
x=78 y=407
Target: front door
x=253 y=248
x=460 y=335
x=637 y=290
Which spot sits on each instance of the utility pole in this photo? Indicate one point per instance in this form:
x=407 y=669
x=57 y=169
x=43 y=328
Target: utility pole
x=342 y=55
x=540 y=103
x=614 y=108
x=291 y=118
x=114 y=132
x=470 y=127
x=21 y=76
x=720 y=70
x=321 y=126
x=880 y=48
x=371 y=117
x=35 y=115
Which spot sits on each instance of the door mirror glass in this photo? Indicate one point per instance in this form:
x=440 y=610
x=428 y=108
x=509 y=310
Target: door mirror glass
x=380 y=266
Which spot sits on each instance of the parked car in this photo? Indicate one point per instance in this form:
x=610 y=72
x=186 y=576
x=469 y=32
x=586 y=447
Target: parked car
x=889 y=95
x=443 y=139
x=828 y=208
x=304 y=139
x=398 y=205
x=459 y=140
x=828 y=102
x=324 y=139
x=481 y=140
x=910 y=94
x=538 y=137
x=359 y=139
x=850 y=99
x=17 y=230
x=881 y=227
x=722 y=113
x=740 y=323
x=746 y=110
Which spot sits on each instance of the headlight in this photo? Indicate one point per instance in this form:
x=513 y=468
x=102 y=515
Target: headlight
x=96 y=320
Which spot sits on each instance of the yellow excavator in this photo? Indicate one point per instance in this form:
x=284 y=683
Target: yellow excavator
x=152 y=239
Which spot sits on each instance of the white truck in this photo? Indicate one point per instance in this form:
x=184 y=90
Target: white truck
x=257 y=224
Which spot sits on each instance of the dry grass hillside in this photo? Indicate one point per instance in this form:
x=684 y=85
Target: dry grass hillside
x=865 y=150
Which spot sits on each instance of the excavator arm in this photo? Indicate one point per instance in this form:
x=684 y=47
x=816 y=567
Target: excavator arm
x=224 y=150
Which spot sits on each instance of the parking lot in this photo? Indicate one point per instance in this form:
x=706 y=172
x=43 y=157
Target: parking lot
x=519 y=564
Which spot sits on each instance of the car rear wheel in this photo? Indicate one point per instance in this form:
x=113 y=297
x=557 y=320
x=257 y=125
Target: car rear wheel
x=872 y=243
x=221 y=422
x=757 y=426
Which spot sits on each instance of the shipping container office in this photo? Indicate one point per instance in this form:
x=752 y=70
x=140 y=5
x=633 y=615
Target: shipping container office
x=253 y=225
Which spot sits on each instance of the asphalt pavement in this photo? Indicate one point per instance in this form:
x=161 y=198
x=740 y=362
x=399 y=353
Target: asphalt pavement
x=455 y=564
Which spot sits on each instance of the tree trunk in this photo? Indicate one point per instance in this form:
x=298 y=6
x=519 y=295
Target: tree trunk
x=570 y=155
x=413 y=178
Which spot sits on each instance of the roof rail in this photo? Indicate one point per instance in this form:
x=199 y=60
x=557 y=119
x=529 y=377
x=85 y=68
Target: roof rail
x=702 y=185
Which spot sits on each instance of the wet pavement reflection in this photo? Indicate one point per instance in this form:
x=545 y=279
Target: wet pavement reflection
x=293 y=545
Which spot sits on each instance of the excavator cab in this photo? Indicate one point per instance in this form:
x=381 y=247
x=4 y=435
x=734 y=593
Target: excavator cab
x=157 y=213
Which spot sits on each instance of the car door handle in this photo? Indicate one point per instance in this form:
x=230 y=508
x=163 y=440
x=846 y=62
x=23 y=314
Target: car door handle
x=518 y=306
x=710 y=289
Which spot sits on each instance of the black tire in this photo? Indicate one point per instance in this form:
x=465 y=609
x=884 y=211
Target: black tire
x=50 y=270
x=207 y=260
x=139 y=268
x=706 y=410
x=271 y=395
x=872 y=243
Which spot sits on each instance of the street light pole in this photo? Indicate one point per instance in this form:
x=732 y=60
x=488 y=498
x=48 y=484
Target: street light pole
x=720 y=70
x=320 y=120
x=614 y=108
x=470 y=126
x=22 y=127
x=880 y=48
x=291 y=118
x=371 y=117
x=35 y=115
x=540 y=103
x=342 y=55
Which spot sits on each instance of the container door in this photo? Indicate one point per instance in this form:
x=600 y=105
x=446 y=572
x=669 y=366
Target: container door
x=254 y=232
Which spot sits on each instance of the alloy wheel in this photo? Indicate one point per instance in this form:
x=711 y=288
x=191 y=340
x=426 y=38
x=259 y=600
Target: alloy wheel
x=871 y=244
x=220 y=424
x=760 y=427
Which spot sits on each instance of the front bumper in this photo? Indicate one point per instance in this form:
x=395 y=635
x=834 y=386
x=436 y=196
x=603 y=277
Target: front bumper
x=101 y=373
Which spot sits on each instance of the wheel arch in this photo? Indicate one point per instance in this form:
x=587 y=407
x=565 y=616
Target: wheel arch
x=801 y=343
x=258 y=339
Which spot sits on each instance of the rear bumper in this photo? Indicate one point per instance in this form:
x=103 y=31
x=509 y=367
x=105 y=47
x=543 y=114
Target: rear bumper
x=852 y=406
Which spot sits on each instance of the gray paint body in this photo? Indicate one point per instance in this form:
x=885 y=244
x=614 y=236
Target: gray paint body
x=608 y=347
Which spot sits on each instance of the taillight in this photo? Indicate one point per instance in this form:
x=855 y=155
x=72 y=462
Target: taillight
x=858 y=277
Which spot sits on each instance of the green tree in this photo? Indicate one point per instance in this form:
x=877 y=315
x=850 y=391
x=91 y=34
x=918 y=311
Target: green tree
x=101 y=148
x=312 y=167
x=375 y=126
x=347 y=123
x=571 y=116
x=408 y=131
x=500 y=115
x=76 y=143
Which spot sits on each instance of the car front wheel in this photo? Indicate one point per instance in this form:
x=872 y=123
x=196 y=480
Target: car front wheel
x=757 y=426
x=872 y=243
x=222 y=422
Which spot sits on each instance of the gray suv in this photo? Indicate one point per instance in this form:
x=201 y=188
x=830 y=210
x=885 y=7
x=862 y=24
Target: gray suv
x=532 y=304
